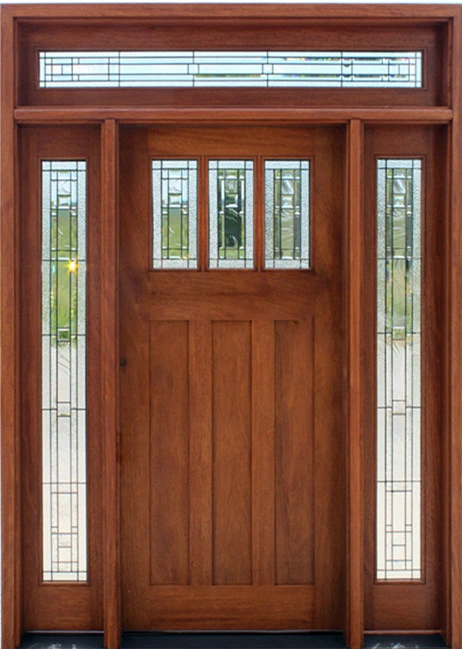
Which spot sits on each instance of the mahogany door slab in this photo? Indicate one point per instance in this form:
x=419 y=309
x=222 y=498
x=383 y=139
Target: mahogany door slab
x=231 y=437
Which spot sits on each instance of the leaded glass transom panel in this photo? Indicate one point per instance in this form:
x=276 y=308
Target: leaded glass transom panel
x=64 y=492
x=287 y=214
x=399 y=277
x=335 y=69
x=174 y=212
x=231 y=213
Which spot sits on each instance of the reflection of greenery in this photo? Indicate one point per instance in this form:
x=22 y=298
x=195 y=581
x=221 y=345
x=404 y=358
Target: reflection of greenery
x=399 y=251
x=63 y=289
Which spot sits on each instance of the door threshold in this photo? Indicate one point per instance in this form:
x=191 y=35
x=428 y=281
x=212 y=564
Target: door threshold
x=228 y=640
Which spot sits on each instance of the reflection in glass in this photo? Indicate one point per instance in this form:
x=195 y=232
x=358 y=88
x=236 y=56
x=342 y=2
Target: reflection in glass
x=399 y=222
x=373 y=69
x=64 y=506
x=287 y=214
x=231 y=214
x=174 y=211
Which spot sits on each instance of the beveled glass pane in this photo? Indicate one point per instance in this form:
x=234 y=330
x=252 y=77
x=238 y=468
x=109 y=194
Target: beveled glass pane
x=399 y=227
x=64 y=488
x=287 y=214
x=231 y=213
x=239 y=69
x=174 y=214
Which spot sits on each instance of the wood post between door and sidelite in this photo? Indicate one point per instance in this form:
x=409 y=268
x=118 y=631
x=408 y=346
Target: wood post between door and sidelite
x=110 y=384
x=353 y=269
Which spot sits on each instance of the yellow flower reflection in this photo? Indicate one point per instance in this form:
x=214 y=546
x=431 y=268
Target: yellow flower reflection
x=72 y=266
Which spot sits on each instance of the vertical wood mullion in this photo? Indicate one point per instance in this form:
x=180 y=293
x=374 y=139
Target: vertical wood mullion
x=203 y=214
x=110 y=385
x=9 y=336
x=354 y=270
x=263 y=523
x=200 y=453
x=453 y=337
x=259 y=216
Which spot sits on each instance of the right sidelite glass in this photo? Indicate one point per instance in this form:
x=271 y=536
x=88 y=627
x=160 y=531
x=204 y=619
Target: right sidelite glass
x=399 y=306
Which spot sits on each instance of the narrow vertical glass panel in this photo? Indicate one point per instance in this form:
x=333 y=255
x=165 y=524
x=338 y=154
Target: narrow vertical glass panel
x=399 y=228
x=287 y=214
x=174 y=214
x=64 y=480
x=231 y=213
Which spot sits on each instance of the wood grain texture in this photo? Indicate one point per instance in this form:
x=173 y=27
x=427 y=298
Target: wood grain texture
x=9 y=342
x=408 y=605
x=233 y=403
x=169 y=452
x=232 y=434
x=454 y=351
x=76 y=605
x=354 y=387
x=294 y=385
x=110 y=381
x=418 y=12
x=136 y=114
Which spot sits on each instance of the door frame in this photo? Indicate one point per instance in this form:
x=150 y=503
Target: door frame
x=22 y=106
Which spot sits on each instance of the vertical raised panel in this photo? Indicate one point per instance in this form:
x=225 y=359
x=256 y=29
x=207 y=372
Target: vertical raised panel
x=200 y=461
x=294 y=461
x=169 y=454
x=263 y=453
x=231 y=390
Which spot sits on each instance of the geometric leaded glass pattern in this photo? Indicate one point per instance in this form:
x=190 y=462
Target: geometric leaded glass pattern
x=287 y=214
x=220 y=69
x=231 y=213
x=174 y=211
x=399 y=307
x=64 y=493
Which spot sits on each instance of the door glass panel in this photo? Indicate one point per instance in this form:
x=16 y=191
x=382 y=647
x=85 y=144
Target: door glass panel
x=63 y=326
x=174 y=212
x=239 y=69
x=287 y=214
x=231 y=214
x=399 y=221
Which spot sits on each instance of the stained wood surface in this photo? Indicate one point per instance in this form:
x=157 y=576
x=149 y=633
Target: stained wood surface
x=237 y=371
x=75 y=606
x=407 y=605
x=355 y=388
x=110 y=383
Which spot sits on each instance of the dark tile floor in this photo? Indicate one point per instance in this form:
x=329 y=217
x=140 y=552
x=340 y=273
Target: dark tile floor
x=227 y=641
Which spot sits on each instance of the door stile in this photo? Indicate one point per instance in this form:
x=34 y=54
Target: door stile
x=110 y=384
x=9 y=336
x=453 y=406
x=354 y=384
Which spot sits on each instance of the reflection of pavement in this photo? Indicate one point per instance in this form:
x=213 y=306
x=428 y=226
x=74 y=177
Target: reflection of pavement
x=64 y=460
x=398 y=459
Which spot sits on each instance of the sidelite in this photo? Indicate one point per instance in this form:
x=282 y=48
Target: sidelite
x=399 y=227
x=64 y=497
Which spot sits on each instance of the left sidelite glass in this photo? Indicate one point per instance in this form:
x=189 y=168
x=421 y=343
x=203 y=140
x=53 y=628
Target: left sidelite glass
x=64 y=482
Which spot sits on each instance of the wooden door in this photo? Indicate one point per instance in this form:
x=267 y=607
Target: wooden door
x=231 y=405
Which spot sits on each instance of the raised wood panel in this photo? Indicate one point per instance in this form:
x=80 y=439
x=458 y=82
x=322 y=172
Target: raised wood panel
x=294 y=448
x=169 y=452
x=232 y=407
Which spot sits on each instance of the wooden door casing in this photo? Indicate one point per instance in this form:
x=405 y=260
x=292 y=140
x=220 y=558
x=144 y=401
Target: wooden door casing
x=232 y=508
